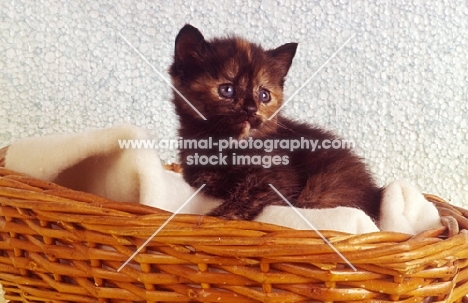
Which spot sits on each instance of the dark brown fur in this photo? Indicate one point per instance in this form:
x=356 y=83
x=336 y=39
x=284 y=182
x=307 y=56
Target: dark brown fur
x=319 y=179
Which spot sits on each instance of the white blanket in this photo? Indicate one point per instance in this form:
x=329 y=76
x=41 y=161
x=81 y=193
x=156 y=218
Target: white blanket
x=93 y=161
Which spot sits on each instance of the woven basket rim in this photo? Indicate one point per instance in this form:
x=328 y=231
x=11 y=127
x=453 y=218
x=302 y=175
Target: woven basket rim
x=48 y=216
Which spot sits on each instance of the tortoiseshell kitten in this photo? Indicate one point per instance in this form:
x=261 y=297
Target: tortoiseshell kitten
x=236 y=85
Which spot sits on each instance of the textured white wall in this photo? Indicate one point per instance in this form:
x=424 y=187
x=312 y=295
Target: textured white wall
x=398 y=88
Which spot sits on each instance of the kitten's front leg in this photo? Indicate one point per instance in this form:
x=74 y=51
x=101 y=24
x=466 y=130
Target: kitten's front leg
x=245 y=206
x=244 y=191
x=248 y=199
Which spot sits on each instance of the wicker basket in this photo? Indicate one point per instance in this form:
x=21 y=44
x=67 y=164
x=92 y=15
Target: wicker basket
x=60 y=245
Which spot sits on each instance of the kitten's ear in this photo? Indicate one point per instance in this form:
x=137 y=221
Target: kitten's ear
x=189 y=44
x=284 y=55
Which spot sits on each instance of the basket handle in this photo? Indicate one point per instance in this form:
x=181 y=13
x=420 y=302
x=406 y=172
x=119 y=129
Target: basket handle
x=452 y=217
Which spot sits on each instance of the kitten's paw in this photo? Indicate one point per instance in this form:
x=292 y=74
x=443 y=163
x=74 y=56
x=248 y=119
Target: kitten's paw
x=229 y=217
x=217 y=212
x=224 y=216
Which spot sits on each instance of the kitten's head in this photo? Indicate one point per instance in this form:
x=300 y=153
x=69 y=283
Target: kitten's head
x=235 y=84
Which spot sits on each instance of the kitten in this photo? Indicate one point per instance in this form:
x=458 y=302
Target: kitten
x=236 y=85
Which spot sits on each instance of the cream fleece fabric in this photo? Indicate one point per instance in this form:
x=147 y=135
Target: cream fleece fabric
x=94 y=162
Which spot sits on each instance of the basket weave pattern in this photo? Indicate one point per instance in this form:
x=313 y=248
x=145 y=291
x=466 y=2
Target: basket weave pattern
x=59 y=245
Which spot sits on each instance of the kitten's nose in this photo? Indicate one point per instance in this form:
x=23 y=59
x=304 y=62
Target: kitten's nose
x=250 y=107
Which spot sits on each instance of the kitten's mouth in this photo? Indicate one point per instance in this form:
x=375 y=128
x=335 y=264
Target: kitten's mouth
x=247 y=126
x=240 y=126
x=251 y=122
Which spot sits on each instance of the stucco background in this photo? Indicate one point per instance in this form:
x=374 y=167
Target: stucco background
x=397 y=88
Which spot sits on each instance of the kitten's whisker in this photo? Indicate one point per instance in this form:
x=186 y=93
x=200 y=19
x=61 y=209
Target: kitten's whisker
x=313 y=227
x=287 y=128
x=212 y=127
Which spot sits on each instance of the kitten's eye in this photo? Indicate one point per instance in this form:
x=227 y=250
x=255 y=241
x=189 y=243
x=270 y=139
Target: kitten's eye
x=226 y=90
x=264 y=96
